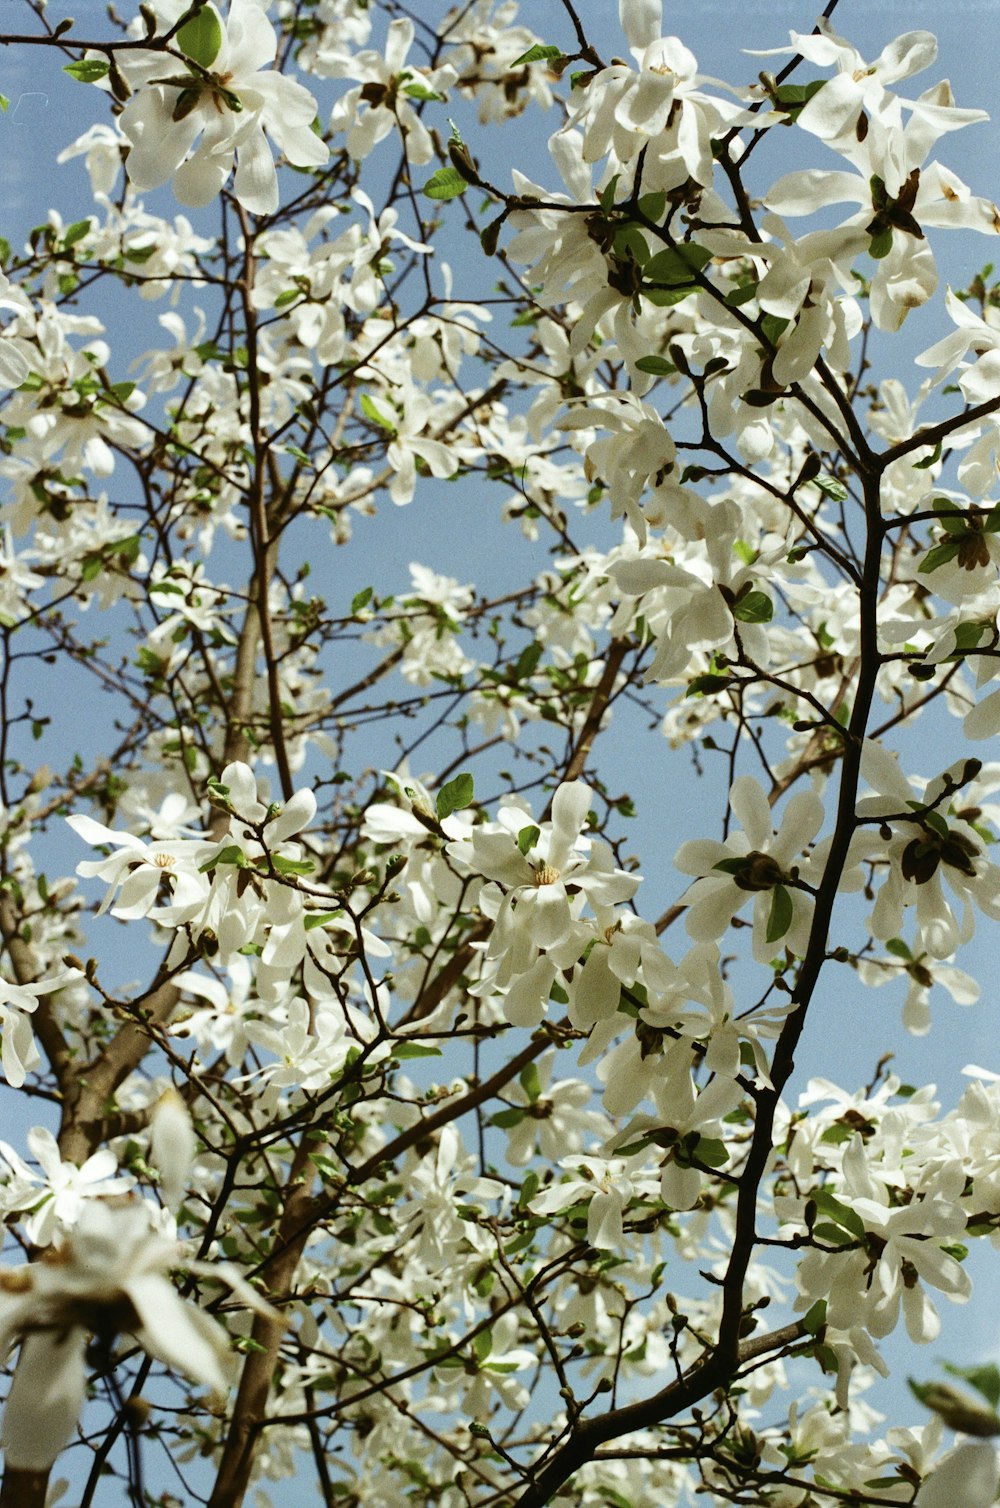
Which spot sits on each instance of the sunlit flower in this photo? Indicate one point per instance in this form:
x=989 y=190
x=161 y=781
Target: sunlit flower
x=229 y=103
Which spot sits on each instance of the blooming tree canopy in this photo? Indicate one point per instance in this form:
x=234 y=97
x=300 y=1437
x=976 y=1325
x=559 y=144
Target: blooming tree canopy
x=390 y=1117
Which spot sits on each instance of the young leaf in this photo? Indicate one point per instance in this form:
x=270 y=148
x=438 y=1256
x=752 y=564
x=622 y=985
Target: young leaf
x=541 y=52
x=446 y=183
x=755 y=607
x=200 y=38
x=780 y=918
x=527 y=838
x=454 y=795
x=87 y=70
x=656 y=366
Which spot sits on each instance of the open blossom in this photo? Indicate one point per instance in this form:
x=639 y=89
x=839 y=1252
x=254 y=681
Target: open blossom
x=55 y=1198
x=228 y=102
x=930 y=845
x=542 y=878
x=607 y=1188
x=758 y=862
x=109 y=1276
x=17 y=1001
x=14 y=366
x=136 y=871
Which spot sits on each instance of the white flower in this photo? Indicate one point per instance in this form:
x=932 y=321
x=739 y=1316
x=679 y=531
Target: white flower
x=968 y=1476
x=16 y=1002
x=757 y=862
x=14 y=367
x=138 y=869
x=229 y=103
x=57 y=1197
x=172 y=1145
x=606 y=1187
x=109 y=1276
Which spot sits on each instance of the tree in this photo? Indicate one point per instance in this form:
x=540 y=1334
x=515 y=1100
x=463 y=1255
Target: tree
x=428 y=1160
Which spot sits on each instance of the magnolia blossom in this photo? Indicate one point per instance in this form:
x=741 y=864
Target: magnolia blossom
x=109 y=1276
x=14 y=366
x=756 y=862
x=54 y=1200
x=136 y=871
x=229 y=103
x=606 y=1187
x=926 y=849
x=542 y=878
x=17 y=1001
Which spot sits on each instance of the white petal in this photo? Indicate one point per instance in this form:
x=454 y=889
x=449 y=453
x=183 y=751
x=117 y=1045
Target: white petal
x=968 y=1476
x=45 y=1399
x=256 y=182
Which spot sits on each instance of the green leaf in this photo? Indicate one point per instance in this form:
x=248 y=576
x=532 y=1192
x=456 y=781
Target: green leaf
x=606 y=198
x=121 y=391
x=830 y=486
x=677 y=264
x=970 y=634
x=936 y=821
x=288 y=297
x=454 y=795
x=541 y=52
x=530 y=1082
x=792 y=95
x=200 y=38
x=755 y=607
x=656 y=366
x=898 y=948
x=772 y=327
x=732 y=866
x=507 y=1119
x=527 y=838
x=371 y=411
x=815 y=1317
x=446 y=183
x=87 y=70
x=316 y=919
x=76 y=232
x=880 y=245
x=711 y=1151
x=780 y=918
x=4 y=104
x=653 y=205
x=292 y=866
x=527 y=661
x=421 y=91
x=706 y=685
x=414 y=1050
x=482 y=1344
x=930 y=460
x=361 y=599
x=665 y=298
x=231 y=854
x=842 y=1215
x=938 y=556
